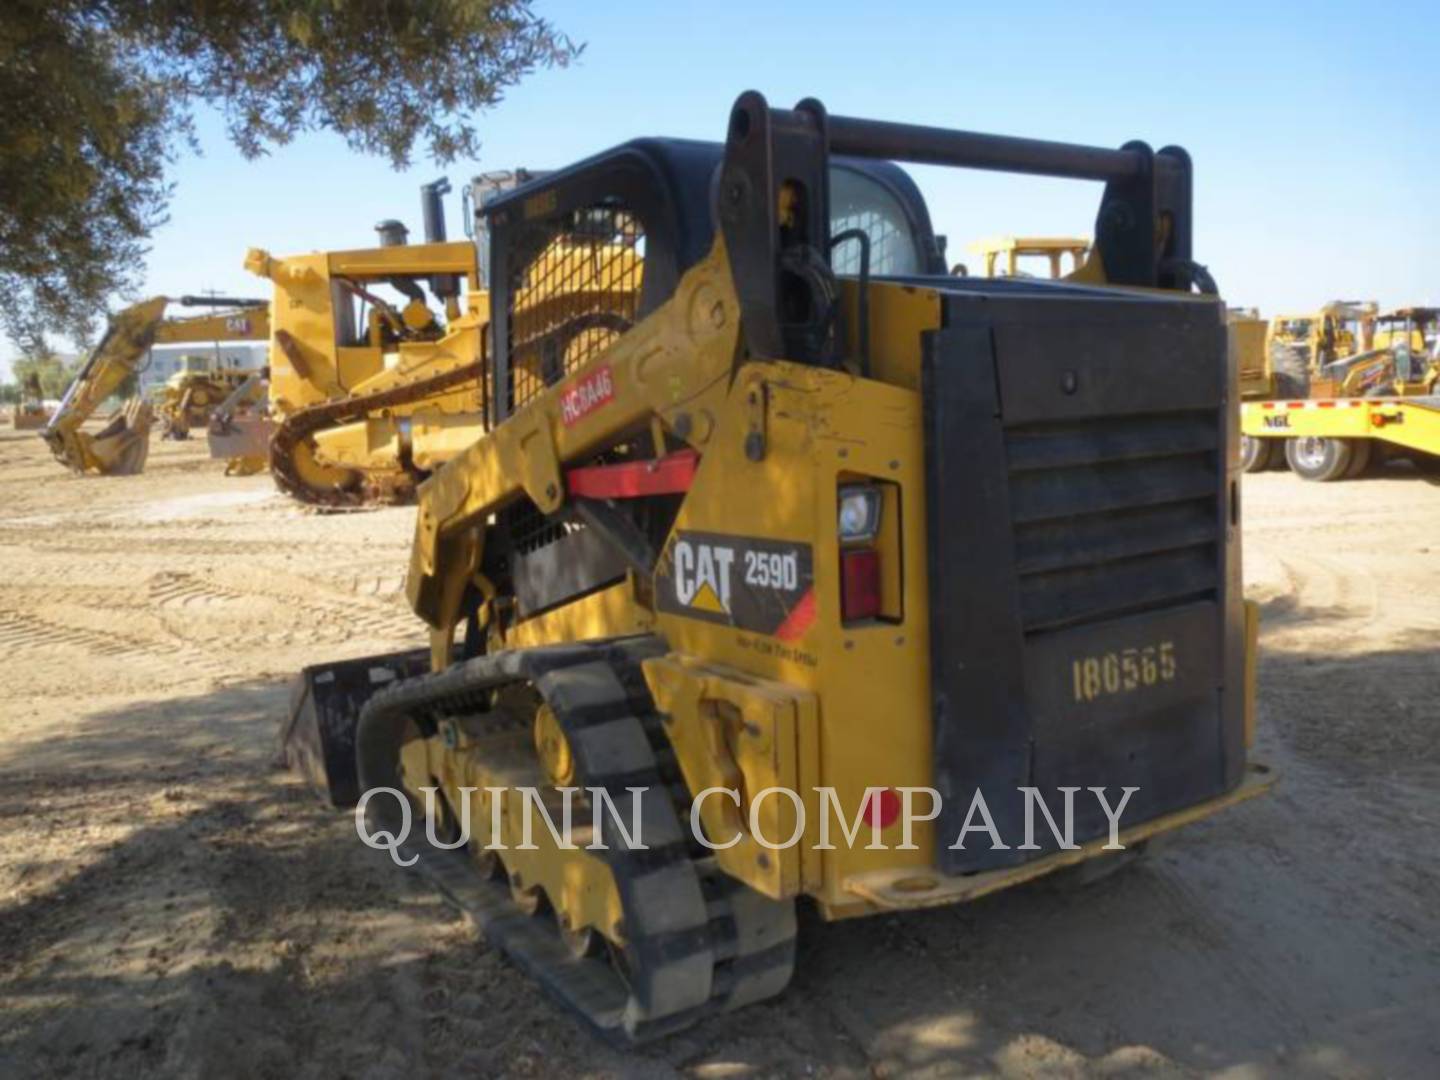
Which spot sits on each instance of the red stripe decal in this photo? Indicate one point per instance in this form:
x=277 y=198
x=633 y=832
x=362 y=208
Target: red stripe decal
x=801 y=616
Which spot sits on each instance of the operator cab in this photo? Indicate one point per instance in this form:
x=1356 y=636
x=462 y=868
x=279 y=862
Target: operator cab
x=578 y=256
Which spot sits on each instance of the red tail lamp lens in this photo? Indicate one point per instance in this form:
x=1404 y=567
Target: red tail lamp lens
x=859 y=584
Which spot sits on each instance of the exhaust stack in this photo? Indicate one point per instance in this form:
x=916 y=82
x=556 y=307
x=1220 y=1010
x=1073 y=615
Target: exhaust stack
x=432 y=207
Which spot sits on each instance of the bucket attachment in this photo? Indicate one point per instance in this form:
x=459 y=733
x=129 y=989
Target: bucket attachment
x=120 y=448
x=318 y=737
x=123 y=445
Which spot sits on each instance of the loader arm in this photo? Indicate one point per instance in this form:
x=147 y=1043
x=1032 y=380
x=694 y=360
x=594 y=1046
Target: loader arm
x=692 y=340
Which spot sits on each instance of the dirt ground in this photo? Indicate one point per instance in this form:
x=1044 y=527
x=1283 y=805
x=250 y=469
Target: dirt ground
x=171 y=905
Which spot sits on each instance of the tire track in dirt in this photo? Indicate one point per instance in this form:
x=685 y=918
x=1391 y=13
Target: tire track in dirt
x=25 y=632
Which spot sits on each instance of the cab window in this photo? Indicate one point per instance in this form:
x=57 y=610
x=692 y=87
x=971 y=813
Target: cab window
x=858 y=201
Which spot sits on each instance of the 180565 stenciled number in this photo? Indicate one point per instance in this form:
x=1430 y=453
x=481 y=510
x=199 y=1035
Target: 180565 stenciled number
x=1123 y=671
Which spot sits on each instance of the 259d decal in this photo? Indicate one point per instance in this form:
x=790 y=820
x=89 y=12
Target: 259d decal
x=741 y=581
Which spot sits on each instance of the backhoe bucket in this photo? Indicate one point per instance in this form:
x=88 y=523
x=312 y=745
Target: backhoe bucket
x=122 y=446
x=317 y=739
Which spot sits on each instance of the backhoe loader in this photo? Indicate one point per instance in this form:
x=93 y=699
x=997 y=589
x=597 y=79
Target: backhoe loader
x=1403 y=361
x=123 y=444
x=780 y=530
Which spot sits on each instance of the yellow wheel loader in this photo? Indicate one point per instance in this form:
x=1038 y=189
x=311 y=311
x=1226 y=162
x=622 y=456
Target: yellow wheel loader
x=799 y=569
x=123 y=444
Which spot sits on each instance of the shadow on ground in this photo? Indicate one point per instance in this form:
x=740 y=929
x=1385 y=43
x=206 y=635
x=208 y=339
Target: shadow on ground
x=180 y=908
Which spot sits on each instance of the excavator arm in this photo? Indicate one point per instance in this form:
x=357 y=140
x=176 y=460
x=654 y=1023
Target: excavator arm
x=122 y=446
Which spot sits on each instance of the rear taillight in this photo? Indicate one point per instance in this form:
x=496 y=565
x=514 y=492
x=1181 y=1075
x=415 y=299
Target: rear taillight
x=860 y=588
x=868 y=528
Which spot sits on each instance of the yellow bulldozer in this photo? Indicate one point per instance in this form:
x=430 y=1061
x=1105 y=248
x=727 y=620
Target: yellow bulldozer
x=368 y=388
x=367 y=396
x=122 y=446
x=799 y=568
x=1008 y=256
x=190 y=397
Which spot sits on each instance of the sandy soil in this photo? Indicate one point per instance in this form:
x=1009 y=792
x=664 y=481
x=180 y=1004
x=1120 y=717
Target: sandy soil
x=171 y=905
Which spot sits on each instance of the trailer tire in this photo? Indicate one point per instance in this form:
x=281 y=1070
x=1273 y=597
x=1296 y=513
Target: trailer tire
x=1361 y=454
x=1319 y=459
x=1256 y=454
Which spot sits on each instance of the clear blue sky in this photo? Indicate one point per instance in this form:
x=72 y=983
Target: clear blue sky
x=1314 y=127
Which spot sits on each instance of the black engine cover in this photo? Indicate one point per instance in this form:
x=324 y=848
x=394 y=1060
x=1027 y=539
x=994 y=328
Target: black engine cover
x=1086 y=619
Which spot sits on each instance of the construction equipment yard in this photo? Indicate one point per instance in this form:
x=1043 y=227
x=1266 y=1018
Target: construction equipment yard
x=169 y=901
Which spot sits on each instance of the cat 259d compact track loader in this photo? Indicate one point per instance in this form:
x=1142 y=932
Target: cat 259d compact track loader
x=782 y=515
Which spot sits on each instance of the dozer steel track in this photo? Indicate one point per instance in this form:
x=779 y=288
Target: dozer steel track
x=697 y=942
x=303 y=423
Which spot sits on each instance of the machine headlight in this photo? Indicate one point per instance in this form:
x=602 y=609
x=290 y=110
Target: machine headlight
x=859 y=514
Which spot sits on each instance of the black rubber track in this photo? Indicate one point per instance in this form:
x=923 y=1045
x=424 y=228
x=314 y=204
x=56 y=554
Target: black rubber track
x=697 y=941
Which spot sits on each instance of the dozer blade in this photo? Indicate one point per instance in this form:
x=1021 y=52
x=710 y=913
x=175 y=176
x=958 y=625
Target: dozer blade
x=317 y=738
x=122 y=446
x=240 y=437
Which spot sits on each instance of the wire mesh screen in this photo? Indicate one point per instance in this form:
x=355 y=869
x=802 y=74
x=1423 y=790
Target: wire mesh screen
x=578 y=290
x=530 y=530
x=890 y=245
x=858 y=202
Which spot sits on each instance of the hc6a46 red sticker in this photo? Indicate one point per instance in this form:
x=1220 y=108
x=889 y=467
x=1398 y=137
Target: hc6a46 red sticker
x=587 y=395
